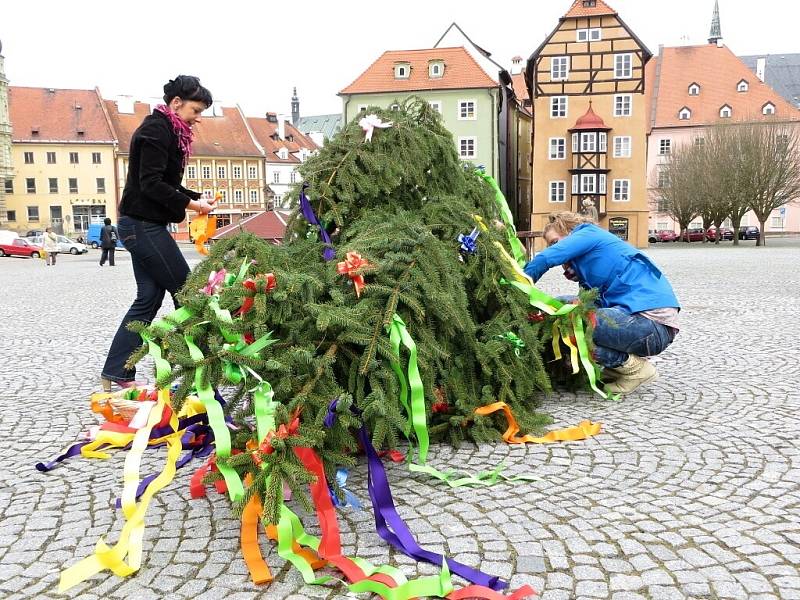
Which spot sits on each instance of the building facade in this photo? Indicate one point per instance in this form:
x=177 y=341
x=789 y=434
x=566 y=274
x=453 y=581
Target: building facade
x=6 y=166
x=451 y=80
x=587 y=86
x=63 y=150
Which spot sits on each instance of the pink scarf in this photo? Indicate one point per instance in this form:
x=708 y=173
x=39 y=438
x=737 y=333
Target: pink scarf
x=181 y=128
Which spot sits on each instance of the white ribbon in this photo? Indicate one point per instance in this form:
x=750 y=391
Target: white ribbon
x=369 y=123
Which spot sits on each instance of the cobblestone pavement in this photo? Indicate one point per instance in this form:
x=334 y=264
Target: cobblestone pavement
x=691 y=491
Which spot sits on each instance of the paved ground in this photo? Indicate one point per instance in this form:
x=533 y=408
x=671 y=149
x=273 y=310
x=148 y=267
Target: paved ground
x=692 y=490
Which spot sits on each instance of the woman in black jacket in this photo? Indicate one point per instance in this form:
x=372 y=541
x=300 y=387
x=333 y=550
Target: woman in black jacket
x=153 y=196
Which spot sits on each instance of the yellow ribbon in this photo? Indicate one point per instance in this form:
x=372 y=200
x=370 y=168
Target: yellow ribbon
x=581 y=431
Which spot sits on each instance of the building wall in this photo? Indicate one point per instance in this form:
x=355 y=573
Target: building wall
x=591 y=79
x=89 y=204
x=483 y=127
x=6 y=170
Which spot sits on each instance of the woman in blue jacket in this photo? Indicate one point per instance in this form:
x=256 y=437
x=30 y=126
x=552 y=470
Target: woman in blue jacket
x=638 y=311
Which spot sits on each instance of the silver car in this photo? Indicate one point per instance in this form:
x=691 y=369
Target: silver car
x=64 y=244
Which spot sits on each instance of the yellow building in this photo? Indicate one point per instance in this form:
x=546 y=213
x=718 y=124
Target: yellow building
x=63 y=156
x=587 y=86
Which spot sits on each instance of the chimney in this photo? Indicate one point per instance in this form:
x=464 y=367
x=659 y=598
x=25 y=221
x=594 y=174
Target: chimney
x=282 y=126
x=761 y=68
x=516 y=65
x=125 y=105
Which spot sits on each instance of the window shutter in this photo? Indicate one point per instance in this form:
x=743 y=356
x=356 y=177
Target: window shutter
x=602 y=183
x=574 y=142
x=574 y=184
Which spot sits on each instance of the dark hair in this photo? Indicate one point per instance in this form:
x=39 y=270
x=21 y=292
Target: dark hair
x=107 y=220
x=187 y=87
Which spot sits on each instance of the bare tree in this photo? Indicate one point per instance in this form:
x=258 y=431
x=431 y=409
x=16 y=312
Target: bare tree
x=676 y=186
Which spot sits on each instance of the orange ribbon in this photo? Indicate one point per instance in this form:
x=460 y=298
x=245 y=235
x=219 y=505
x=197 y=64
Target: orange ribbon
x=203 y=228
x=252 y=285
x=352 y=263
x=259 y=571
x=585 y=429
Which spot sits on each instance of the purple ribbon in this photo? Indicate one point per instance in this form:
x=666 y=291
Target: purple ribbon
x=73 y=450
x=330 y=418
x=399 y=535
x=308 y=212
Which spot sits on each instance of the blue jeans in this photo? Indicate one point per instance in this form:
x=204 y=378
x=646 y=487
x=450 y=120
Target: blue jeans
x=158 y=267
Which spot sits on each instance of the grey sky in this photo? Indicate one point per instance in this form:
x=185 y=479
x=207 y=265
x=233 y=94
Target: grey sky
x=252 y=53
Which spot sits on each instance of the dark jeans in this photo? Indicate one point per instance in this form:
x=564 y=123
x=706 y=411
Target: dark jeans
x=108 y=253
x=158 y=267
x=619 y=333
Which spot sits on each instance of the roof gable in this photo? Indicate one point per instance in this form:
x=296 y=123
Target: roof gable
x=582 y=8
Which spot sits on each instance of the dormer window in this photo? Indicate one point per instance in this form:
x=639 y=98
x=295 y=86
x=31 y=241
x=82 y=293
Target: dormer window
x=435 y=69
x=725 y=112
x=684 y=114
x=589 y=3
x=768 y=109
x=402 y=71
x=283 y=154
x=694 y=90
x=742 y=86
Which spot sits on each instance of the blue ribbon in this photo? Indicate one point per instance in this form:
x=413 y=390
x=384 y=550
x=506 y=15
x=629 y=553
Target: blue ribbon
x=468 y=245
x=308 y=212
x=349 y=498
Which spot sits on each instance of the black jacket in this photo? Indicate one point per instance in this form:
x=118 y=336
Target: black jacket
x=153 y=190
x=106 y=243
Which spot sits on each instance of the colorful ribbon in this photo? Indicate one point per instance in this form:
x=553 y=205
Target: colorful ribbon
x=505 y=214
x=328 y=253
x=513 y=339
x=468 y=243
x=584 y=430
x=369 y=123
x=352 y=263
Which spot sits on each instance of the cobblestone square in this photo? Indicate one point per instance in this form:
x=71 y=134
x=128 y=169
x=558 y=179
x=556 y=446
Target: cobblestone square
x=692 y=490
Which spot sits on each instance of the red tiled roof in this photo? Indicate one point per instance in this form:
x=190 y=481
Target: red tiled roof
x=520 y=88
x=224 y=135
x=717 y=70
x=461 y=71
x=579 y=10
x=263 y=129
x=589 y=120
x=57 y=115
x=268 y=225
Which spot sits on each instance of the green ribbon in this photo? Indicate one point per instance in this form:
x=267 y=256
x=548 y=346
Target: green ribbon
x=508 y=219
x=234 y=372
x=216 y=420
x=514 y=340
x=416 y=408
x=484 y=478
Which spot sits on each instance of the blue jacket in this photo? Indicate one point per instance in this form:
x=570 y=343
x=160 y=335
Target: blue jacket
x=623 y=276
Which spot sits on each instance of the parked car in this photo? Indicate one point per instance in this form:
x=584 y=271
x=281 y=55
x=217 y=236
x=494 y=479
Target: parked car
x=652 y=236
x=726 y=233
x=749 y=232
x=21 y=247
x=695 y=234
x=93 y=236
x=667 y=235
x=64 y=244
x=34 y=233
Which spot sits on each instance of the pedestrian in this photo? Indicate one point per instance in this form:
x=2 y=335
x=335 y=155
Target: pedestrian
x=152 y=198
x=50 y=246
x=589 y=210
x=637 y=314
x=108 y=242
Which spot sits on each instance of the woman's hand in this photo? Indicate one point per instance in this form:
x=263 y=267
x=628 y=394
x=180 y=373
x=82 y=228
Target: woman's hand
x=201 y=206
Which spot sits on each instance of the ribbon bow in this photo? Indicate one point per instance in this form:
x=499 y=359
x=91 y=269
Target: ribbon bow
x=369 y=123
x=216 y=279
x=514 y=340
x=252 y=286
x=282 y=433
x=467 y=242
x=352 y=263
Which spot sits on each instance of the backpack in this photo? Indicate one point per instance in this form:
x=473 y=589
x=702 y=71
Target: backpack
x=113 y=234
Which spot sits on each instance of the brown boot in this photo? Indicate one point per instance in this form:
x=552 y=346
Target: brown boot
x=634 y=372
x=609 y=374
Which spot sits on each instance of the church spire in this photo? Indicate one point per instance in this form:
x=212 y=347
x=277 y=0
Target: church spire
x=295 y=107
x=716 y=31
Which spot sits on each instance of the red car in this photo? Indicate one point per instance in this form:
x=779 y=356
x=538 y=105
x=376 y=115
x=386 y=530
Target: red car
x=695 y=234
x=667 y=235
x=20 y=247
x=726 y=233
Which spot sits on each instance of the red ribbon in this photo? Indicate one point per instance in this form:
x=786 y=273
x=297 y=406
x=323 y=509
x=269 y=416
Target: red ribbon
x=252 y=286
x=352 y=263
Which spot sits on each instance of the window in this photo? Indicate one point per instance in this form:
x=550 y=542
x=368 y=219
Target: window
x=574 y=184
x=191 y=172
x=30 y=185
x=237 y=171
x=223 y=195
x=777 y=222
x=685 y=114
x=51 y=158
x=73 y=185
x=436 y=69
x=622 y=146
x=283 y=153
x=362 y=108
x=589 y=142
x=558 y=148
x=466 y=110
x=466 y=147
x=694 y=90
x=436 y=105
x=402 y=71
x=96 y=160
x=622 y=105
x=622 y=188
x=589 y=3
x=768 y=109
x=623 y=66
x=588 y=183
x=252 y=172
x=603 y=141
x=742 y=86
x=559 y=67
x=663 y=178
x=589 y=35
x=725 y=112
x=558 y=107
x=9 y=186
x=558 y=191
x=276 y=177
x=783 y=140
x=28 y=158
x=220 y=172
x=33 y=213
x=665 y=147
x=699 y=141
x=238 y=196
x=208 y=194
x=293 y=177
x=11 y=215
x=206 y=172
x=73 y=158
x=101 y=185
x=53 y=181
x=253 y=196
